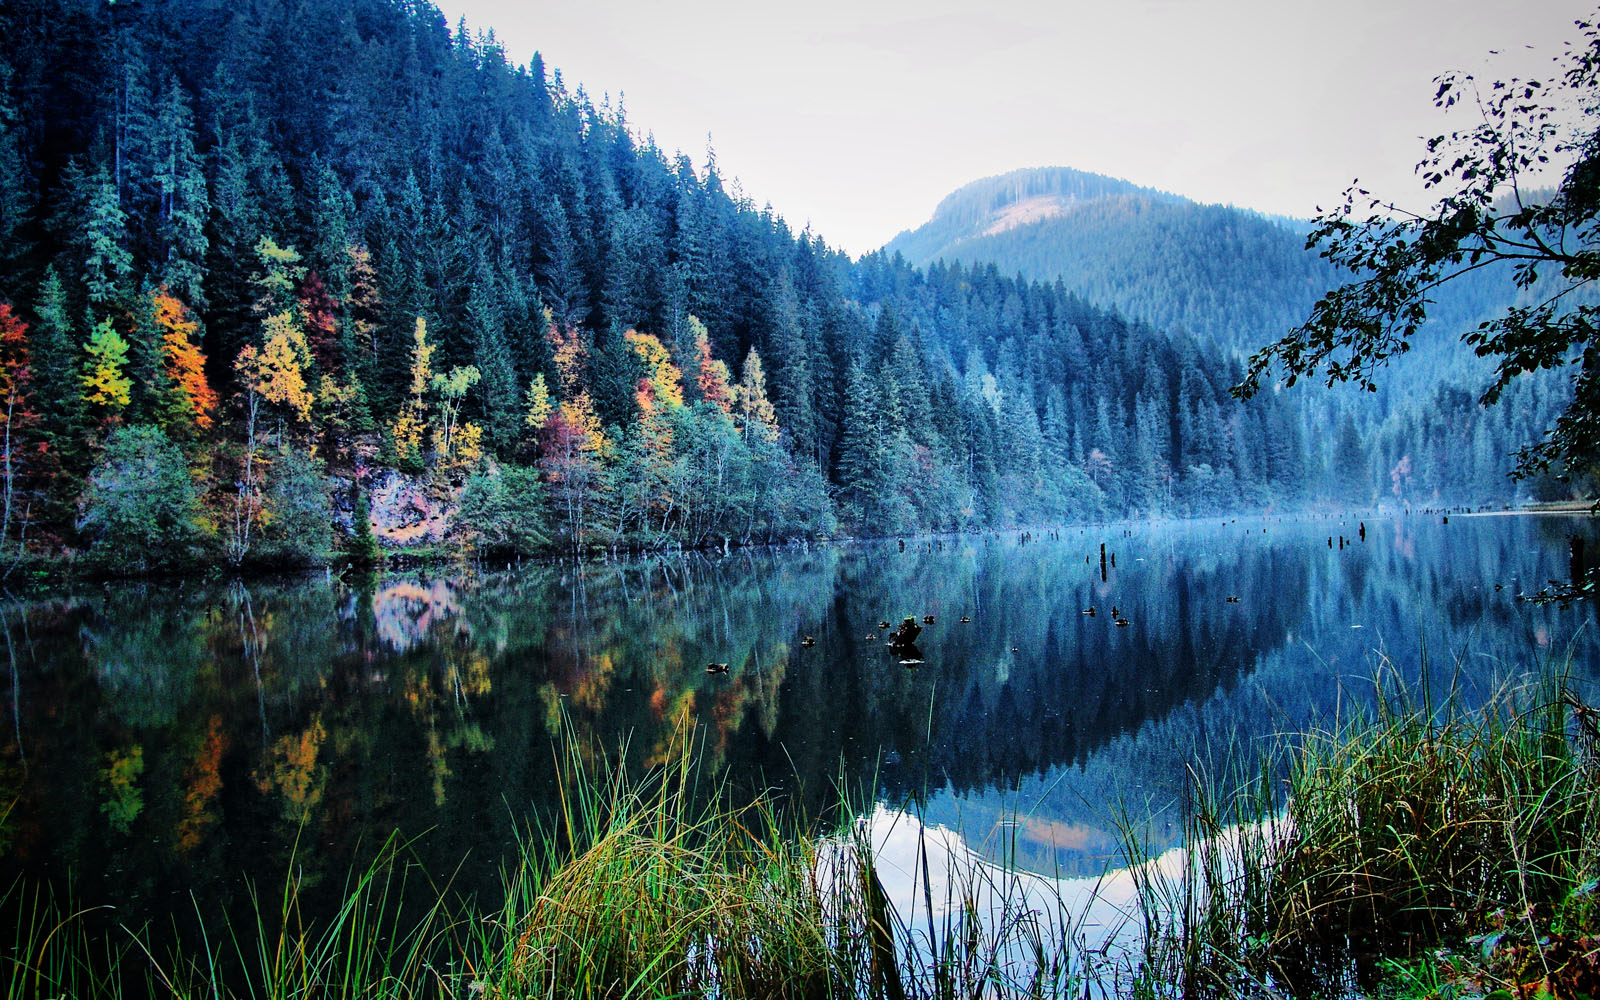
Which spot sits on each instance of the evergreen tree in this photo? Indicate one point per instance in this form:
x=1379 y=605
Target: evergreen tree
x=17 y=190
x=102 y=237
x=182 y=201
x=56 y=373
x=485 y=319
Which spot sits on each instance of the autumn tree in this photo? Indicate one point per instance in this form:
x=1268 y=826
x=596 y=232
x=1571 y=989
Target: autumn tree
x=359 y=329
x=18 y=426
x=752 y=410
x=653 y=472
x=409 y=424
x=191 y=402
x=452 y=391
x=105 y=387
x=711 y=378
x=536 y=404
x=573 y=456
x=321 y=319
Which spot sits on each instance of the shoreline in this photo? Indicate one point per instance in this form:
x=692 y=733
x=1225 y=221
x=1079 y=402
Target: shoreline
x=52 y=571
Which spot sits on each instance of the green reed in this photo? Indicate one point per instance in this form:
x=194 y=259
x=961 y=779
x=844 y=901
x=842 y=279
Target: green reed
x=1394 y=830
x=649 y=887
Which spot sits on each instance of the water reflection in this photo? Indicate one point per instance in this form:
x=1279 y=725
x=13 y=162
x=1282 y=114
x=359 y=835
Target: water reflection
x=167 y=741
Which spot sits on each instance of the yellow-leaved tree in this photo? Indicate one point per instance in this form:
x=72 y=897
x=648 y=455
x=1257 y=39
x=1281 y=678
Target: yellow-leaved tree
x=105 y=386
x=452 y=390
x=410 y=422
x=753 y=411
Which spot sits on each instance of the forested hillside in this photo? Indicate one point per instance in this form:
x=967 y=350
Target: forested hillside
x=297 y=274
x=1214 y=271
x=1238 y=280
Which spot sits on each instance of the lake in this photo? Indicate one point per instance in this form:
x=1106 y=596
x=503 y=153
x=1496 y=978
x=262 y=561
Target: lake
x=169 y=744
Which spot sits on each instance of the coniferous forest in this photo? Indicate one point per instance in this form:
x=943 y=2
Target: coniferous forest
x=294 y=276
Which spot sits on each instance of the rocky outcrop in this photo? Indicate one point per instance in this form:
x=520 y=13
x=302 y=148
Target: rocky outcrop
x=409 y=510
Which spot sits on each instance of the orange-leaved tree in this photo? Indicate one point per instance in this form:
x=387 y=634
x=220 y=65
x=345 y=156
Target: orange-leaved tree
x=183 y=364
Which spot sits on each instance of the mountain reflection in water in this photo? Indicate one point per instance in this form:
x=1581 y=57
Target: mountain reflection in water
x=168 y=740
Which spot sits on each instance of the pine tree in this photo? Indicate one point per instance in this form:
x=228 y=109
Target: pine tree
x=862 y=451
x=56 y=373
x=182 y=201
x=363 y=547
x=102 y=237
x=486 y=323
x=18 y=193
x=332 y=212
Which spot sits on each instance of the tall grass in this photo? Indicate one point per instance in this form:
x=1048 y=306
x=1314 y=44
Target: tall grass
x=1356 y=847
x=54 y=950
x=655 y=887
x=1394 y=830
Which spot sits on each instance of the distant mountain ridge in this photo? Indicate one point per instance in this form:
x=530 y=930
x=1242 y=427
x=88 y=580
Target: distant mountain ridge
x=1227 y=274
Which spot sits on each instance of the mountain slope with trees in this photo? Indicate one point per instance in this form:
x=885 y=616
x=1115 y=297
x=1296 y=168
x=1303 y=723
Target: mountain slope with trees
x=1218 y=272
x=267 y=266
x=1237 y=279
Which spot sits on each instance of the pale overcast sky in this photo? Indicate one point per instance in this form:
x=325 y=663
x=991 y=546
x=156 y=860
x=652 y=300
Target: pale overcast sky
x=857 y=116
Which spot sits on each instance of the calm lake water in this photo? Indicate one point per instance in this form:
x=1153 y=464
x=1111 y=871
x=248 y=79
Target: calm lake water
x=163 y=741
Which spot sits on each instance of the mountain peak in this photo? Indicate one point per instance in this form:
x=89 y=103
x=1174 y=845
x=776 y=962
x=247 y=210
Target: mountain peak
x=1028 y=195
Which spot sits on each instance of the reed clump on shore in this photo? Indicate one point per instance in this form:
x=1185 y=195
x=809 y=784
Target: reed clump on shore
x=1461 y=841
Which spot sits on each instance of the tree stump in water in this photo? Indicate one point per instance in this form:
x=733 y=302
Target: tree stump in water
x=904 y=636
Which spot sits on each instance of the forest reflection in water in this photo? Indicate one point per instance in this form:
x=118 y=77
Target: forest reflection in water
x=167 y=740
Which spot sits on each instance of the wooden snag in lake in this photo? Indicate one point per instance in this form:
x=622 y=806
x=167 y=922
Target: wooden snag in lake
x=1575 y=545
x=904 y=636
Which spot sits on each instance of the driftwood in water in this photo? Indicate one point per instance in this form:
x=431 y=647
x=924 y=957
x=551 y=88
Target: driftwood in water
x=904 y=636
